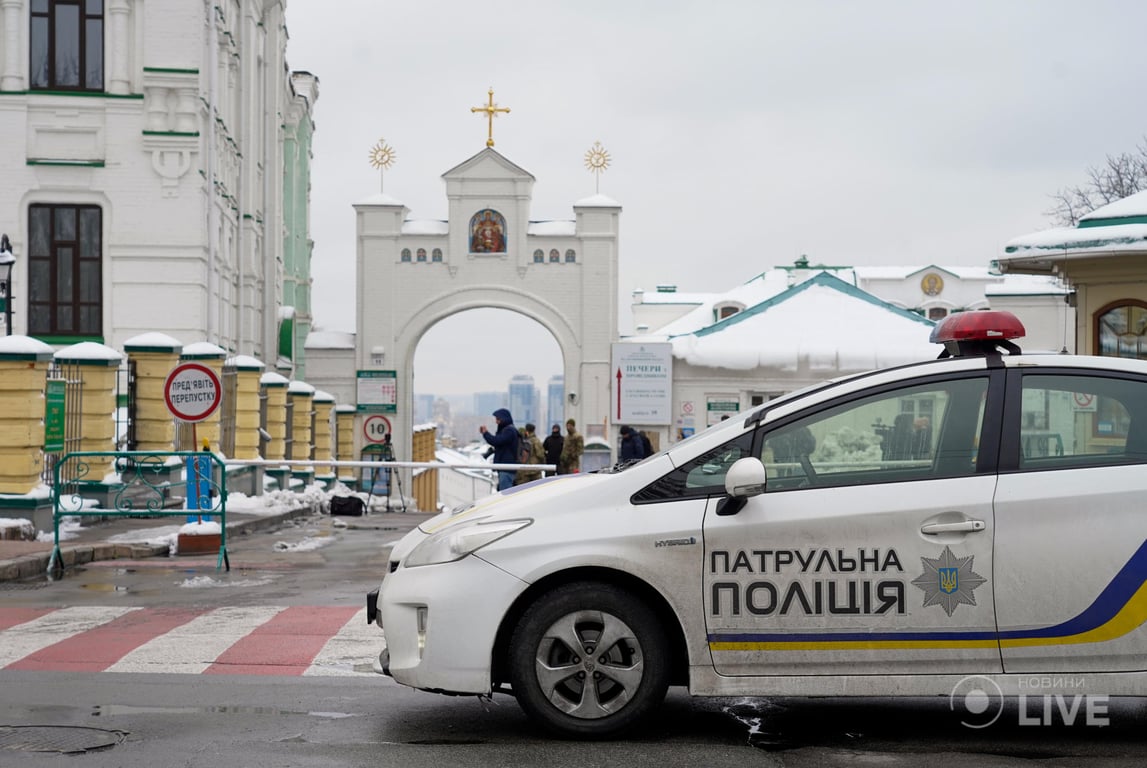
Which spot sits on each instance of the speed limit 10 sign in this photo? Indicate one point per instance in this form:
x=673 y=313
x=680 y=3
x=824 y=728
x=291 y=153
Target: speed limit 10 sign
x=192 y=392
x=375 y=428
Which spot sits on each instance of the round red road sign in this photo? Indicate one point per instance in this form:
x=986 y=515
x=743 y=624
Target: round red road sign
x=375 y=428
x=192 y=391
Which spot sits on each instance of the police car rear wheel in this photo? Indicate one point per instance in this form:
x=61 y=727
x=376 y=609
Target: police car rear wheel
x=588 y=660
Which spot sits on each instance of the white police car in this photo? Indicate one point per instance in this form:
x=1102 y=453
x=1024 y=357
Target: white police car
x=890 y=533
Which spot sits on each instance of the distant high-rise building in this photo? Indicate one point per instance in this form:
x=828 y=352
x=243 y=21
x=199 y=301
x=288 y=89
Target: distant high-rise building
x=523 y=399
x=485 y=403
x=555 y=400
x=423 y=409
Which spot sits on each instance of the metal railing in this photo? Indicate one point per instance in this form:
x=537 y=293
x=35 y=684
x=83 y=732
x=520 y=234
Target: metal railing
x=149 y=488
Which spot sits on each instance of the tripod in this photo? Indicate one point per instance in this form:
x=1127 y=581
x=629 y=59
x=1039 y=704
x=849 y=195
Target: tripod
x=398 y=479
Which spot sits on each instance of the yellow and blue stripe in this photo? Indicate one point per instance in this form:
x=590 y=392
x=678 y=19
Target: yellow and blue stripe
x=1118 y=610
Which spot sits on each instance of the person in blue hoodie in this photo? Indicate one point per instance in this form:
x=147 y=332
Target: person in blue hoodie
x=505 y=443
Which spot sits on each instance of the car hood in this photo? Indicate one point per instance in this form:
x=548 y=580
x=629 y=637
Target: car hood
x=533 y=499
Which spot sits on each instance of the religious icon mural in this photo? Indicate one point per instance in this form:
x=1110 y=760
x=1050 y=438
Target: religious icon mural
x=488 y=232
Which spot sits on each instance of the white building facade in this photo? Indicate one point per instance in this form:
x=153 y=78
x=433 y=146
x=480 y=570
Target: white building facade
x=145 y=175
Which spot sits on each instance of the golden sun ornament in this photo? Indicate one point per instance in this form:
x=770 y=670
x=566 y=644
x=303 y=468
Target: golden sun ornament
x=597 y=159
x=382 y=156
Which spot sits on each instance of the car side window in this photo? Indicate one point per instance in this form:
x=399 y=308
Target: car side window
x=916 y=433
x=703 y=476
x=1082 y=421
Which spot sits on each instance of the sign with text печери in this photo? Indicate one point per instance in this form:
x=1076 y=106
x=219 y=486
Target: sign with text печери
x=642 y=383
x=377 y=391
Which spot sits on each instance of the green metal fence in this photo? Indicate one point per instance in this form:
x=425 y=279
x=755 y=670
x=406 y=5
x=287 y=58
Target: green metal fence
x=153 y=484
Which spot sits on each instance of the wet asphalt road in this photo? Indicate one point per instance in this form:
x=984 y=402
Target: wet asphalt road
x=199 y=720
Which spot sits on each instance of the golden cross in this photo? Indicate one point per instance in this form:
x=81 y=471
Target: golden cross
x=491 y=109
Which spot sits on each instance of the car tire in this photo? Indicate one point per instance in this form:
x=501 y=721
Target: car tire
x=627 y=679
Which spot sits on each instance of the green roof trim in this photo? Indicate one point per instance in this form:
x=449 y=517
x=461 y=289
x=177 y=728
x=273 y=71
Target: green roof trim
x=172 y=70
x=84 y=94
x=13 y=357
x=824 y=279
x=1112 y=222
x=157 y=350
x=67 y=340
x=171 y=133
x=106 y=363
x=67 y=163
x=1060 y=248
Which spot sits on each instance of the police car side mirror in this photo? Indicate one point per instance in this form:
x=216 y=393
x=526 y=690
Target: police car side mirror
x=745 y=478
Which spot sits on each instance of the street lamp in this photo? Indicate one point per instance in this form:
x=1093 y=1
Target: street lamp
x=7 y=261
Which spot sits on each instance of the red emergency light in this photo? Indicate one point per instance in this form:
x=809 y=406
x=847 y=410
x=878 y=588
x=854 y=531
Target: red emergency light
x=978 y=333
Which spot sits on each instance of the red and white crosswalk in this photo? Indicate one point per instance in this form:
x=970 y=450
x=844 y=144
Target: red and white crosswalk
x=266 y=640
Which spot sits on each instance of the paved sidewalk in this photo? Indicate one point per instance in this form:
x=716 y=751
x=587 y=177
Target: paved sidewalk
x=97 y=540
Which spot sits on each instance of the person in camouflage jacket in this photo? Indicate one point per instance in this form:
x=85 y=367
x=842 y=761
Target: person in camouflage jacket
x=532 y=453
x=572 y=450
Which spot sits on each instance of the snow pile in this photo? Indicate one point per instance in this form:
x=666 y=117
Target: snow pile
x=275 y=502
x=24 y=530
x=201 y=528
x=310 y=543
x=69 y=529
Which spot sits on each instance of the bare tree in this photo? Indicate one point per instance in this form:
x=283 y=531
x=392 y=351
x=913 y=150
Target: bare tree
x=1119 y=176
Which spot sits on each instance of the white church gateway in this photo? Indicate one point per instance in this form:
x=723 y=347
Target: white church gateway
x=411 y=274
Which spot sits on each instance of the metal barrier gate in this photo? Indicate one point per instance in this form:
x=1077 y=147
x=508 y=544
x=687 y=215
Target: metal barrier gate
x=150 y=487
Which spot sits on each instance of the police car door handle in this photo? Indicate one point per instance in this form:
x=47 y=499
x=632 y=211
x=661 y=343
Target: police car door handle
x=966 y=526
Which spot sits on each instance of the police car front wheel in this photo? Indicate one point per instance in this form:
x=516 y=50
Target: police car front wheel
x=589 y=660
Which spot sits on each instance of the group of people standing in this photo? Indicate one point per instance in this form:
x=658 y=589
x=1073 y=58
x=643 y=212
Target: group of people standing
x=635 y=445
x=511 y=445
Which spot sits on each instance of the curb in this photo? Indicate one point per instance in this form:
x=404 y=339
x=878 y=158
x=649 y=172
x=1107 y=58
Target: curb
x=36 y=565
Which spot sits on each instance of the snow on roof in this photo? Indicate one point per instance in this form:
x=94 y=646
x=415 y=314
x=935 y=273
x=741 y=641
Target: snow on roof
x=760 y=288
x=329 y=340
x=323 y=397
x=270 y=377
x=153 y=339
x=1132 y=205
x=379 y=199
x=200 y=348
x=23 y=345
x=1059 y=241
x=245 y=361
x=300 y=388
x=670 y=297
x=425 y=227
x=597 y=201
x=286 y=313
x=1027 y=285
x=823 y=323
x=88 y=350
x=900 y=273
x=1118 y=226
x=551 y=228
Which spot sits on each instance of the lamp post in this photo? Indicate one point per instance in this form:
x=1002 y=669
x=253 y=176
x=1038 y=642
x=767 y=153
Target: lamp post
x=7 y=261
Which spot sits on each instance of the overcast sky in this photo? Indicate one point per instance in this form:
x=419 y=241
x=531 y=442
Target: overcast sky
x=742 y=134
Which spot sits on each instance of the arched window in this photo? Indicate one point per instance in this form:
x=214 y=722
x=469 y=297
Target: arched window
x=539 y=256
x=422 y=254
x=436 y=254
x=726 y=309
x=487 y=232
x=406 y=254
x=571 y=257
x=555 y=257
x=1121 y=329
x=937 y=313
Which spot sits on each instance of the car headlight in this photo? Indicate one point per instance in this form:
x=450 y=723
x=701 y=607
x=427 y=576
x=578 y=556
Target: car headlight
x=457 y=541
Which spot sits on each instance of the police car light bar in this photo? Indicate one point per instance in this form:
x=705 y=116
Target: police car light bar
x=983 y=332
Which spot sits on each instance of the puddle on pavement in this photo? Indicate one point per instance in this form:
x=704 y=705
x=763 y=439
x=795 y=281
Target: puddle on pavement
x=120 y=589
x=112 y=710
